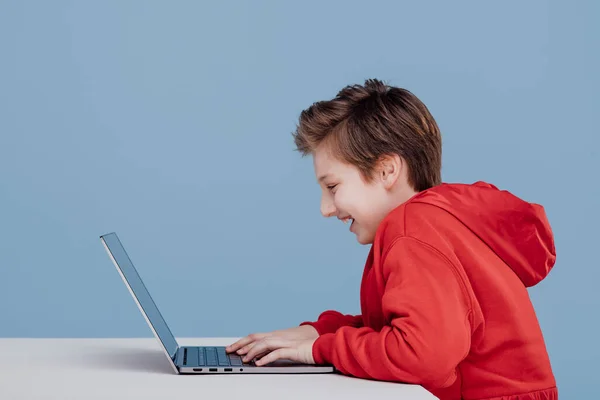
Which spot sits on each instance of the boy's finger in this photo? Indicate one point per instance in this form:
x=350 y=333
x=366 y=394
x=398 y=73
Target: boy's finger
x=240 y=343
x=246 y=348
x=243 y=342
x=234 y=346
x=264 y=353
x=274 y=356
x=259 y=348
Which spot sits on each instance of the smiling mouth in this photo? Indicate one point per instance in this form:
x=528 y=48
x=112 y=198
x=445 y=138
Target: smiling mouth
x=348 y=219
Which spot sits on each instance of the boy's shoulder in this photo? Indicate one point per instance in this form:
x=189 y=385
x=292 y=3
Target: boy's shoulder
x=413 y=219
x=421 y=218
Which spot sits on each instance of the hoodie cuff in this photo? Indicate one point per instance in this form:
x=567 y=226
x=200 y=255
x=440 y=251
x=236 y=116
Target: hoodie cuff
x=323 y=349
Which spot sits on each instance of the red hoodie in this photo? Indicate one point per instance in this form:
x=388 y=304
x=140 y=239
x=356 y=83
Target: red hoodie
x=444 y=300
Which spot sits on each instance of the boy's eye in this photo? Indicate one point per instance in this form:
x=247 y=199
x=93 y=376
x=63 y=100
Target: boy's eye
x=330 y=187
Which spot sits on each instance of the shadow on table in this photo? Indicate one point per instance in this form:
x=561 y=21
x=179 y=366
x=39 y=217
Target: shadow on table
x=136 y=360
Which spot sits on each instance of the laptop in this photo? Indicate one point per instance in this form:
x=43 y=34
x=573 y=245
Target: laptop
x=190 y=359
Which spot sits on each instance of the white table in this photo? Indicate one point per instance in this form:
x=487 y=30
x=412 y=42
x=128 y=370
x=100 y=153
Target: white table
x=137 y=369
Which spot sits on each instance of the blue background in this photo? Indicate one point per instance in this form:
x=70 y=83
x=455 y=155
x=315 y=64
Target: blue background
x=170 y=123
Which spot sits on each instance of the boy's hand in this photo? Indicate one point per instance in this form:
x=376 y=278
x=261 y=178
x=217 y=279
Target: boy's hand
x=272 y=349
x=291 y=342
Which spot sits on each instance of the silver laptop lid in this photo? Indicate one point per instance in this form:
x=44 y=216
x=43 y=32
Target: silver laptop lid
x=140 y=294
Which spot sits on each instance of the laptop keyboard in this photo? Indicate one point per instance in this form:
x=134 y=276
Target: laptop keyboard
x=210 y=357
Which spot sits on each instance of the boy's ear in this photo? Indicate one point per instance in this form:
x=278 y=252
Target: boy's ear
x=390 y=169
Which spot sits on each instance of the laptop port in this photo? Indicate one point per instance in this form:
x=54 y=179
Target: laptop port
x=198 y=369
x=212 y=369
x=228 y=369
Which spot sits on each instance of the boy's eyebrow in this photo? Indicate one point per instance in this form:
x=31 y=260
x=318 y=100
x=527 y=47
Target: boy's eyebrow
x=323 y=177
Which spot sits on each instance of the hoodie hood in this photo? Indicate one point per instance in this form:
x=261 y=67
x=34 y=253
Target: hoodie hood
x=517 y=231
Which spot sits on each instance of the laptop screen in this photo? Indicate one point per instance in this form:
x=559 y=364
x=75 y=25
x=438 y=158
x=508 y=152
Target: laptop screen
x=140 y=292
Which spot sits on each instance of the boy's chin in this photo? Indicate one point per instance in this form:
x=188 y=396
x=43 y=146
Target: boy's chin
x=364 y=239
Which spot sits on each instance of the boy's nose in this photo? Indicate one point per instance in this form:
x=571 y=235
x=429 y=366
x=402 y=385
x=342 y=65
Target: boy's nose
x=327 y=209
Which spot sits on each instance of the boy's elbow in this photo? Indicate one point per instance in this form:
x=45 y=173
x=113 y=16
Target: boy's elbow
x=429 y=366
x=437 y=375
x=434 y=371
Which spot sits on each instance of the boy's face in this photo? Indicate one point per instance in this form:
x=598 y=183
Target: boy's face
x=347 y=196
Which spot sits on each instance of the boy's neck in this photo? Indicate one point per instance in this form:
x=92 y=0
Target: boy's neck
x=402 y=194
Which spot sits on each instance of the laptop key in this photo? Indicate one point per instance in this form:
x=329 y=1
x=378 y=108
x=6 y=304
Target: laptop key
x=211 y=356
x=236 y=360
x=201 y=358
x=192 y=357
x=222 y=355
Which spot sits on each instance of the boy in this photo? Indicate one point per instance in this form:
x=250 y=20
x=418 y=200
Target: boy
x=443 y=295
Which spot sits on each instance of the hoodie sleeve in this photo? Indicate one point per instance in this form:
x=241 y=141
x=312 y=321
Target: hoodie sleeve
x=330 y=321
x=428 y=330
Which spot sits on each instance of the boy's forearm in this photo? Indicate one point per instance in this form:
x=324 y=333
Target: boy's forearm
x=388 y=355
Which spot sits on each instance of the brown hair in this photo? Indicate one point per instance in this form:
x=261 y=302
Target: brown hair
x=364 y=122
